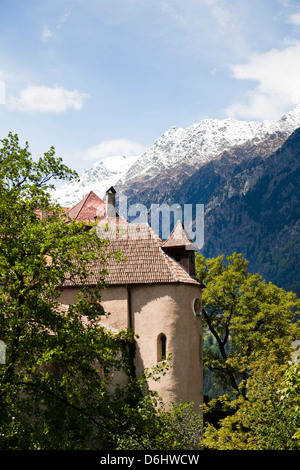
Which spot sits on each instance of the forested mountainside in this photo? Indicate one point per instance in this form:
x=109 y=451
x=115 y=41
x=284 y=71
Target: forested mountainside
x=245 y=173
x=173 y=158
x=252 y=204
x=257 y=212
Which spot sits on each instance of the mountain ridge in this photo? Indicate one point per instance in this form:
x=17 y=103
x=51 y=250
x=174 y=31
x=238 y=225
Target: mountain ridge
x=263 y=220
x=204 y=141
x=177 y=151
x=250 y=188
x=102 y=174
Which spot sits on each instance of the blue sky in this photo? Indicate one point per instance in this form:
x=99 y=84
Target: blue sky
x=100 y=77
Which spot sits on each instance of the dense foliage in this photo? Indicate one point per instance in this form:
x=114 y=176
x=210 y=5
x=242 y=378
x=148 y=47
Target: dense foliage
x=252 y=328
x=247 y=318
x=57 y=375
x=51 y=392
x=269 y=419
x=58 y=370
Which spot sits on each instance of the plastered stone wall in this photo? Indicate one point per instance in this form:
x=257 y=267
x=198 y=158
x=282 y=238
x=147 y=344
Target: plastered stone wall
x=168 y=309
x=160 y=309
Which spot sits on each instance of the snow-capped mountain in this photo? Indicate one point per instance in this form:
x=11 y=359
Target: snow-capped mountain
x=98 y=178
x=205 y=140
x=182 y=148
x=245 y=173
x=254 y=209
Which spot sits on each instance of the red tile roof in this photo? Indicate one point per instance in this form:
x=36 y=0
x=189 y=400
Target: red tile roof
x=89 y=208
x=145 y=260
x=86 y=209
x=179 y=238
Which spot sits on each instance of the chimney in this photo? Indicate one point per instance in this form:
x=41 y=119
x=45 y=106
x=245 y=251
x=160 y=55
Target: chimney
x=111 y=202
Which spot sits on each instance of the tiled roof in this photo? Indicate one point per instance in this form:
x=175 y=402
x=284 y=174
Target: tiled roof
x=145 y=259
x=179 y=238
x=89 y=208
x=86 y=209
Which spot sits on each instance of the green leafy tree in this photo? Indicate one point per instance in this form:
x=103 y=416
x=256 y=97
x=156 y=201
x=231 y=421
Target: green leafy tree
x=152 y=426
x=53 y=384
x=57 y=388
x=269 y=419
x=248 y=318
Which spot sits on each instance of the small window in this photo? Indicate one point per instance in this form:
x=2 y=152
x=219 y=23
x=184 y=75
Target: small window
x=196 y=306
x=92 y=309
x=161 y=347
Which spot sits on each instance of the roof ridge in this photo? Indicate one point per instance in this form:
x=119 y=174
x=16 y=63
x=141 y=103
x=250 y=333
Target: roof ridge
x=79 y=203
x=173 y=240
x=171 y=263
x=83 y=203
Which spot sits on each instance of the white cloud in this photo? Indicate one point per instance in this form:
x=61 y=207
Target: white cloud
x=46 y=34
x=294 y=19
x=278 y=75
x=49 y=33
x=114 y=147
x=2 y=92
x=64 y=16
x=44 y=99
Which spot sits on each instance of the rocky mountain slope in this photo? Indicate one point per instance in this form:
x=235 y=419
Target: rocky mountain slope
x=252 y=205
x=173 y=158
x=245 y=173
x=98 y=178
x=250 y=191
x=205 y=140
x=257 y=212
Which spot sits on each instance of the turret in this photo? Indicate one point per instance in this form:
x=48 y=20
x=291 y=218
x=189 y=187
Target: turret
x=181 y=248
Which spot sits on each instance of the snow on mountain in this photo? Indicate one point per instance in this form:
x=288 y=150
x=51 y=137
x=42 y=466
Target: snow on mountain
x=194 y=145
x=100 y=177
x=205 y=140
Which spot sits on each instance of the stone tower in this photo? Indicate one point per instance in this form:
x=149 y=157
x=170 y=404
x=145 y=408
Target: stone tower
x=155 y=293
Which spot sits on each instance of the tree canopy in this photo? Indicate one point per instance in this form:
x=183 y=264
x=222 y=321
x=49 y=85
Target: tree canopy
x=254 y=325
x=52 y=394
x=59 y=382
x=248 y=317
x=269 y=419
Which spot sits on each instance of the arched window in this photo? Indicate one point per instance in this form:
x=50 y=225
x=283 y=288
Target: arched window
x=197 y=307
x=161 y=347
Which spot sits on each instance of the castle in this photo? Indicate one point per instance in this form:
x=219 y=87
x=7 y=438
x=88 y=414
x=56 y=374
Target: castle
x=154 y=292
